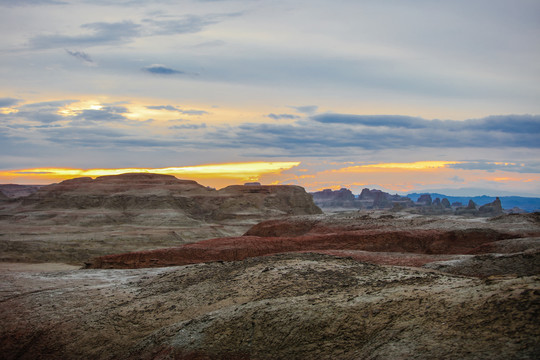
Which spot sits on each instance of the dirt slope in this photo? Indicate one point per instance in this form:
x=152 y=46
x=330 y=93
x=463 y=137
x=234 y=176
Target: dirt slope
x=295 y=306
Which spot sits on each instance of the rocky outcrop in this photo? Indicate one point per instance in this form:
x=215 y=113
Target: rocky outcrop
x=368 y=194
x=470 y=210
x=154 y=191
x=334 y=198
x=492 y=209
x=368 y=199
x=424 y=199
x=445 y=203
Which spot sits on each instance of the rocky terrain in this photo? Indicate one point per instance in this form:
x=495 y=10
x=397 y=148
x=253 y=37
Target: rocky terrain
x=81 y=218
x=428 y=204
x=16 y=190
x=384 y=239
x=362 y=284
x=294 y=306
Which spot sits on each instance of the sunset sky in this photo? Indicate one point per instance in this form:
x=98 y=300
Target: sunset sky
x=397 y=95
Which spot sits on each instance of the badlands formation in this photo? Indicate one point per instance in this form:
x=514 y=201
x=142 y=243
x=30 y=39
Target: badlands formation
x=174 y=270
x=78 y=219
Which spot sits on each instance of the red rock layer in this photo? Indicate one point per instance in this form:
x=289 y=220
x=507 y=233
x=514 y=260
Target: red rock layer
x=428 y=242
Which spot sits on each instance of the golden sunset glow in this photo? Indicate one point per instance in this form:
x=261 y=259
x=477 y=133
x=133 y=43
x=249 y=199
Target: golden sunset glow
x=77 y=107
x=232 y=172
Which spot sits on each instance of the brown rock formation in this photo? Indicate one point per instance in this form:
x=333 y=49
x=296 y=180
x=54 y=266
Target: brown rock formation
x=82 y=218
x=469 y=210
x=335 y=198
x=492 y=209
x=424 y=199
x=445 y=203
x=154 y=191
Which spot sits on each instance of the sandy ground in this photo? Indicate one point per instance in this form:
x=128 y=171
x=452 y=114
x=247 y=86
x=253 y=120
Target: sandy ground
x=37 y=267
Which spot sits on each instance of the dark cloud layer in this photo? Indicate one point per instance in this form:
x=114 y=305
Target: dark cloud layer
x=282 y=116
x=105 y=114
x=7 y=102
x=158 y=69
x=320 y=135
x=163 y=107
x=491 y=166
x=373 y=120
x=101 y=33
x=308 y=109
x=325 y=132
x=80 y=55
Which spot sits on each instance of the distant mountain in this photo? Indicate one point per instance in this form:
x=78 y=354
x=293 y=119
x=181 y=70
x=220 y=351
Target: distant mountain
x=529 y=204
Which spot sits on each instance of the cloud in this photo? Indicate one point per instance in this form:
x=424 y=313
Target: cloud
x=174 y=108
x=282 y=116
x=42 y=112
x=188 y=126
x=55 y=111
x=193 y=112
x=187 y=25
x=81 y=55
x=373 y=120
x=114 y=33
x=13 y=3
x=163 y=107
x=519 y=124
x=8 y=102
x=105 y=114
x=309 y=109
x=457 y=179
x=159 y=69
x=50 y=105
x=102 y=33
x=492 y=166
x=333 y=133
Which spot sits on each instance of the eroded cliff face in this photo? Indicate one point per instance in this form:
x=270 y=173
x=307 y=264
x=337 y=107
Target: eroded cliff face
x=155 y=191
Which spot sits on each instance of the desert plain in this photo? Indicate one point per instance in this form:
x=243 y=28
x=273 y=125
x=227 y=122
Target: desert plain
x=144 y=266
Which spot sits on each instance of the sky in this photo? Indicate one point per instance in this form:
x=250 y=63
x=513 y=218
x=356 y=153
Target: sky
x=403 y=96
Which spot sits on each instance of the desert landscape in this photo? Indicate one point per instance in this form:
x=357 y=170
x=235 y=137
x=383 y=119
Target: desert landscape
x=148 y=266
x=262 y=180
